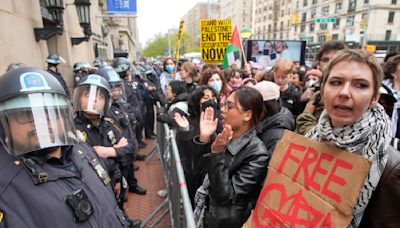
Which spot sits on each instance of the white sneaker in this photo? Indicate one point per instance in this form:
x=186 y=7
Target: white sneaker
x=162 y=193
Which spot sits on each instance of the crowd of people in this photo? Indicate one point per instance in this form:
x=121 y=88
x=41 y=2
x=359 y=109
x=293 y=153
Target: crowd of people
x=71 y=155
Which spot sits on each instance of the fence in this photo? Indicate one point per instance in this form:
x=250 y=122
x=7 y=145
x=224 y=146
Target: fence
x=177 y=203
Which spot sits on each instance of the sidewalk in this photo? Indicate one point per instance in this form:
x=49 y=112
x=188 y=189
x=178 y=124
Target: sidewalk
x=150 y=176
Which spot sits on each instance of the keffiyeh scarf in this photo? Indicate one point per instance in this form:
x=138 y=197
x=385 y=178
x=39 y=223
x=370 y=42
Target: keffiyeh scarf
x=369 y=137
x=200 y=200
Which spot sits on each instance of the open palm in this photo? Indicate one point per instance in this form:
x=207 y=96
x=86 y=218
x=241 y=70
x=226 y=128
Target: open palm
x=181 y=120
x=208 y=125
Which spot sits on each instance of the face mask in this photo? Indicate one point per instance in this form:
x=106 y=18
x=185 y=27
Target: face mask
x=209 y=103
x=310 y=83
x=216 y=85
x=169 y=68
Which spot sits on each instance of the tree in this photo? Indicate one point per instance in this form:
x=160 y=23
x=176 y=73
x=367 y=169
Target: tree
x=158 y=46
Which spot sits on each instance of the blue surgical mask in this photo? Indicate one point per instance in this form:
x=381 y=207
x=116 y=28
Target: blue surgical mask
x=169 y=68
x=216 y=85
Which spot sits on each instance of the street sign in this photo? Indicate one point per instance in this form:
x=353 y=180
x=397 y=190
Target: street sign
x=121 y=6
x=325 y=20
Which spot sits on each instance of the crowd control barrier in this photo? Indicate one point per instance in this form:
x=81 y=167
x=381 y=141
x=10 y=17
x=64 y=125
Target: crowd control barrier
x=177 y=202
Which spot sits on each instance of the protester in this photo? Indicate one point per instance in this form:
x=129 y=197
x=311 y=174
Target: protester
x=236 y=161
x=290 y=95
x=47 y=179
x=276 y=118
x=169 y=74
x=297 y=79
x=327 y=51
x=233 y=77
x=177 y=102
x=216 y=80
x=192 y=162
x=391 y=69
x=353 y=121
x=188 y=73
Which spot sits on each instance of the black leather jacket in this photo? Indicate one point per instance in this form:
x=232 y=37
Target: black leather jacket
x=383 y=208
x=236 y=178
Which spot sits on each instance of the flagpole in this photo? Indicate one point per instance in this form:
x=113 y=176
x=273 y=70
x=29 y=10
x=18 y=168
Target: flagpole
x=241 y=47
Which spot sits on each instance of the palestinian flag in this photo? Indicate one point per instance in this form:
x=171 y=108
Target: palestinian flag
x=232 y=52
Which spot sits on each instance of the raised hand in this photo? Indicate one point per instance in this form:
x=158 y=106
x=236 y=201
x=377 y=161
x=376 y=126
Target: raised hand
x=181 y=120
x=208 y=125
x=222 y=139
x=122 y=143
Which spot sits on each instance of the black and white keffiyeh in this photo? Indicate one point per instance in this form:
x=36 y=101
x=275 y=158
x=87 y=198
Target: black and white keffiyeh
x=200 y=200
x=369 y=137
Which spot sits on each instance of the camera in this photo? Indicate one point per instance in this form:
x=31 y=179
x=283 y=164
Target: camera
x=80 y=205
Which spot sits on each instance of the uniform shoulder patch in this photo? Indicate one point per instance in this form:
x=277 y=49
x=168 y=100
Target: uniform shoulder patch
x=81 y=136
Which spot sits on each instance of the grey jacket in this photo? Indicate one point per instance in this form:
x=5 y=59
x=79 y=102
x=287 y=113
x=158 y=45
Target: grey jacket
x=26 y=203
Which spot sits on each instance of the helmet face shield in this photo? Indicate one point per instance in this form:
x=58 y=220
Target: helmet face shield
x=91 y=99
x=117 y=91
x=36 y=121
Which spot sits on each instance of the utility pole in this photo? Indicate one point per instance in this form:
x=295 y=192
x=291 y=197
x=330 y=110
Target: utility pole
x=169 y=42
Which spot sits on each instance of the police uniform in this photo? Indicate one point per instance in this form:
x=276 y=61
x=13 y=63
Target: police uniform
x=35 y=196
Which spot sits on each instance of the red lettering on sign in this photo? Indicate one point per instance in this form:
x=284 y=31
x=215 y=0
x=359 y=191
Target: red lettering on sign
x=311 y=157
x=334 y=178
x=288 y=155
x=290 y=210
x=319 y=169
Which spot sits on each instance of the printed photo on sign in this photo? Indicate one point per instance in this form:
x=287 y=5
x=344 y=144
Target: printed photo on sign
x=266 y=52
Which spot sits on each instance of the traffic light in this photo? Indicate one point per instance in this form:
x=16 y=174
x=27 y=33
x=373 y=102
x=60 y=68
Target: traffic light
x=362 y=24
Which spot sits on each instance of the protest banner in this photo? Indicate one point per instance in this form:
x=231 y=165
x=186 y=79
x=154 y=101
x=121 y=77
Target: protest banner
x=309 y=184
x=214 y=38
x=179 y=40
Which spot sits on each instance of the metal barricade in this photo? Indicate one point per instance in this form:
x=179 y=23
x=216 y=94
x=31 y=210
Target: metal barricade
x=178 y=202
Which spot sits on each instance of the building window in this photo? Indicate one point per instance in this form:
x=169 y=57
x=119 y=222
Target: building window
x=335 y=36
x=282 y=13
x=338 y=7
x=314 y=2
x=274 y=36
x=366 y=1
x=337 y=24
x=394 y=2
x=325 y=10
x=303 y=17
x=302 y=28
x=312 y=27
x=281 y=25
x=323 y=26
x=321 y=38
x=269 y=28
x=313 y=12
x=388 y=35
x=311 y=39
x=391 y=17
x=297 y=4
x=281 y=35
x=352 y=5
x=305 y=3
x=350 y=21
x=295 y=28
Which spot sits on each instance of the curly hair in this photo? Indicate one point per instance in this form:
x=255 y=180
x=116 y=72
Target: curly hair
x=390 y=66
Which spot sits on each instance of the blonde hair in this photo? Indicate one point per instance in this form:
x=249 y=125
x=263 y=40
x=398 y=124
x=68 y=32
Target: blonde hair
x=359 y=56
x=283 y=65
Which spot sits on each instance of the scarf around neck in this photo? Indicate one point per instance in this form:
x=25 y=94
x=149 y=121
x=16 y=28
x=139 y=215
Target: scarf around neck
x=369 y=137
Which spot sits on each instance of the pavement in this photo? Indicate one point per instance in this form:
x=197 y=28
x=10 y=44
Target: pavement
x=150 y=176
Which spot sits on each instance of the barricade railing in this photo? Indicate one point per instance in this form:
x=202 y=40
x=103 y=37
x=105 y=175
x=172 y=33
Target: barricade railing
x=177 y=202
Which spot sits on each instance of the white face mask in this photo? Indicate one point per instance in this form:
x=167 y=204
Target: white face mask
x=310 y=83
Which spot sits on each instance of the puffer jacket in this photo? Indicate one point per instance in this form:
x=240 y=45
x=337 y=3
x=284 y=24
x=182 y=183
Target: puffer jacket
x=383 y=208
x=271 y=129
x=236 y=177
x=291 y=100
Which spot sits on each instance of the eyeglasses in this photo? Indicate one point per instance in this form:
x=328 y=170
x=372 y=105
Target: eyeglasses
x=26 y=116
x=230 y=105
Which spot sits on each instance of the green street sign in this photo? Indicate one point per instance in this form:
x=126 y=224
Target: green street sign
x=325 y=20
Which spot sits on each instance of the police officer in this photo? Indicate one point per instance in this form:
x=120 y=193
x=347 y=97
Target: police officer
x=123 y=67
x=53 y=60
x=48 y=180
x=92 y=99
x=119 y=112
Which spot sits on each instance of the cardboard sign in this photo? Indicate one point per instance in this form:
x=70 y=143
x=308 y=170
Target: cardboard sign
x=214 y=38
x=309 y=184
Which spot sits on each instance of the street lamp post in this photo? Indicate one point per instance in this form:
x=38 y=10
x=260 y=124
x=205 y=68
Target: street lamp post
x=83 y=10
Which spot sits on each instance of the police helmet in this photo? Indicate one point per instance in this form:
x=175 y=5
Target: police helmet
x=121 y=64
x=78 y=66
x=54 y=59
x=35 y=111
x=14 y=66
x=115 y=81
x=98 y=63
x=92 y=95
